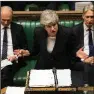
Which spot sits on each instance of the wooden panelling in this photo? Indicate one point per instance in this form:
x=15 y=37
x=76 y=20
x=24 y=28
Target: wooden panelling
x=35 y=15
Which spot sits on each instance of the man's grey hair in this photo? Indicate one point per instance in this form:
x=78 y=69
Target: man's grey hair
x=49 y=17
x=89 y=7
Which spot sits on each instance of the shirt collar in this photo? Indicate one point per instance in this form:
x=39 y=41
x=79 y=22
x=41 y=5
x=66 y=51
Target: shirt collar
x=92 y=28
x=86 y=28
x=3 y=26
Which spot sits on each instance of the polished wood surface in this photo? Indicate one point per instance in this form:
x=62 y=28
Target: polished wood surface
x=39 y=12
x=35 y=15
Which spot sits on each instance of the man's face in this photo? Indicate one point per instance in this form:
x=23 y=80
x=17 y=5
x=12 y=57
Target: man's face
x=6 y=18
x=51 y=29
x=89 y=18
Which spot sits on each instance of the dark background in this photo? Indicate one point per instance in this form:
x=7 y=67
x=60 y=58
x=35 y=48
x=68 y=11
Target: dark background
x=41 y=5
x=20 y=5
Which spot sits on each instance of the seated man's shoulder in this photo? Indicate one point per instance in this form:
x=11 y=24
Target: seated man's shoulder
x=39 y=29
x=16 y=24
x=64 y=28
x=78 y=26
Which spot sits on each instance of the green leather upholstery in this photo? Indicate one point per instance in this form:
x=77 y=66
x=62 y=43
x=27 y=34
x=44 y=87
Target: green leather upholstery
x=20 y=76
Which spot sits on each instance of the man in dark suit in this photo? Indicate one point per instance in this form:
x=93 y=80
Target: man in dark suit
x=15 y=40
x=82 y=46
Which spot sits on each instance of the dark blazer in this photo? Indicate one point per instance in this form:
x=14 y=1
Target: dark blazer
x=78 y=32
x=19 y=42
x=88 y=69
x=18 y=38
x=59 y=57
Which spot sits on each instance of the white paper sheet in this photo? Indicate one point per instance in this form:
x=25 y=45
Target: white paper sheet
x=5 y=63
x=41 y=78
x=15 y=90
x=64 y=77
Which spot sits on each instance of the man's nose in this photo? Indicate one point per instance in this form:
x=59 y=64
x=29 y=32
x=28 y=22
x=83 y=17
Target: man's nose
x=6 y=22
x=90 y=19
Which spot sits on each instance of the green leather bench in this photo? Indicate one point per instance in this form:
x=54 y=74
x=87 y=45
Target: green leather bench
x=20 y=76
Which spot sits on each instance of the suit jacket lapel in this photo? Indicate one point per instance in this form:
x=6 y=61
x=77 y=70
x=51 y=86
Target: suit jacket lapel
x=58 y=39
x=13 y=34
x=44 y=40
x=82 y=35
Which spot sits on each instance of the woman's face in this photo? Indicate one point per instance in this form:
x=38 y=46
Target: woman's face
x=51 y=29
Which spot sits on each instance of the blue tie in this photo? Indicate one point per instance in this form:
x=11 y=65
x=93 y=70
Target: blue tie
x=90 y=43
x=4 y=48
x=90 y=37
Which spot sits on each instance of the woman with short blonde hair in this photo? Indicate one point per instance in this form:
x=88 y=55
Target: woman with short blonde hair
x=51 y=43
x=49 y=17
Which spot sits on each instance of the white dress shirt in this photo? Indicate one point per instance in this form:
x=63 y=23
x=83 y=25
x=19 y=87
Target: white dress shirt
x=50 y=43
x=10 y=45
x=86 y=38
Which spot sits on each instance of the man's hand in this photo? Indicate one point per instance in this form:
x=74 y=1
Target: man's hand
x=12 y=58
x=89 y=60
x=81 y=54
x=21 y=52
x=24 y=53
x=17 y=52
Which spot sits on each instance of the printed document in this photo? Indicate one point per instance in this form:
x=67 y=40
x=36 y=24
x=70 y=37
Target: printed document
x=64 y=77
x=15 y=90
x=41 y=78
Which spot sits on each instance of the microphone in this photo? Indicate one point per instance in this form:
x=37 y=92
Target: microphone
x=55 y=77
x=54 y=70
x=86 y=69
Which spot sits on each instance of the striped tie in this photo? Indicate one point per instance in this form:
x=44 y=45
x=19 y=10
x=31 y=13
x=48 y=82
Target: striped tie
x=90 y=37
x=90 y=43
x=4 y=48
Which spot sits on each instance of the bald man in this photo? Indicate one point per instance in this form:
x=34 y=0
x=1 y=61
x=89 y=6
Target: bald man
x=16 y=40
